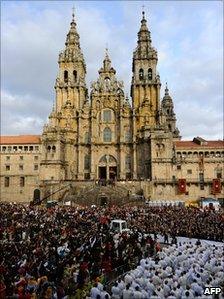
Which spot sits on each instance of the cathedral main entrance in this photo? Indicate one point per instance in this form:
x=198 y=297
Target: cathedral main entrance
x=107 y=168
x=102 y=172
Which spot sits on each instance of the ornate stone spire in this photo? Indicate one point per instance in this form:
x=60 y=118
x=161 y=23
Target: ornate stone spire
x=107 y=81
x=144 y=33
x=72 y=39
x=144 y=48
x=107 y=68
x=167 y=98
x=168 y=110
x=72 y=51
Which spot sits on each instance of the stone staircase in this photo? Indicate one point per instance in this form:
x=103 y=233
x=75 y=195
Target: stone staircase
x=93 y=194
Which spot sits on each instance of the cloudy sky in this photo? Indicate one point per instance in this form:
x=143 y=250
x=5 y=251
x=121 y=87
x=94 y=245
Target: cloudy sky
x=188 y=36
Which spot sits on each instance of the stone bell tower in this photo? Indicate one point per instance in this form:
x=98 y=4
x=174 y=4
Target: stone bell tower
x=70 y=83
x=61 y=134
x=145 y=87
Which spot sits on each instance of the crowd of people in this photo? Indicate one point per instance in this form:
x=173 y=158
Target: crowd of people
x=66 y=251
x=178 y=271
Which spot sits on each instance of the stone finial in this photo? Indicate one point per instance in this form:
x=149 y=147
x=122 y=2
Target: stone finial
x=166 y=90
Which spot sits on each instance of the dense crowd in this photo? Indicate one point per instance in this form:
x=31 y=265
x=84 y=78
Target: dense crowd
x=178 y=271
x=64 y=251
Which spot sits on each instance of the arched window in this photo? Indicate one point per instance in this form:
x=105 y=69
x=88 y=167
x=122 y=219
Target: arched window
x=75 y=75
x=107 y=135
x=150 y=74
x=112 y=159
x=66 y=76
x=48 y=148
x=53 y=148
x=87 y=162
x=141 y=74
x=103 y=159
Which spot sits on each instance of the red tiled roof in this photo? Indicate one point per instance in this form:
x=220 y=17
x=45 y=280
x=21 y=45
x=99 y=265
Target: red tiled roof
x=20 y=139
x=189 y=144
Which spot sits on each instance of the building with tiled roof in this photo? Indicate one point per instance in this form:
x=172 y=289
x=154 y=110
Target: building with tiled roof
x=20 y=139
x=102 y=138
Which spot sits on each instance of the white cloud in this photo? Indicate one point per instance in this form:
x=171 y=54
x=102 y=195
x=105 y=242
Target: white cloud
x=188 y=37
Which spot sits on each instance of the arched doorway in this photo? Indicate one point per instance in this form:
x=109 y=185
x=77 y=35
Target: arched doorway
x=107 y=168
x=36 y=196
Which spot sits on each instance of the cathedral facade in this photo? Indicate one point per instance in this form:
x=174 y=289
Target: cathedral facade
x=105 y=136
x=100 y=134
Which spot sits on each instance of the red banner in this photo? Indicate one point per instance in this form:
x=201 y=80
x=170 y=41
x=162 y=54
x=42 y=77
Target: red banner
x=182 y=185
x=216 y=186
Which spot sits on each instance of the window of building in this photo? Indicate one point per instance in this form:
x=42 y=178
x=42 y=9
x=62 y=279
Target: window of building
x=9 y=148
x=201 y=176
x=7 y=158
x=75 y=75
x=21 y=167
x=128 y=176
x=22 y=181
x=86 y=138
x=4 y=148
x=87 y=176
x=189 y=171
x=219 y=173
x=20 y=148
x=6 y=181
x=178 y=167
x=128 y=162
x=107 y=135
x=202 y=186
x=31 y=148
x=103 y=159
x=141 y=74
x=35 y=166
x=107 y=116
x=48 y=148
x=127 y=136
x=150 y=74
x=7 y=167
x=35 y=158
x=15 y=148
x=36 y=148
x=87 y=162
x=217 y=154
x=21 y=157
x=66 y=76
x=25 y=148
x=53 y=148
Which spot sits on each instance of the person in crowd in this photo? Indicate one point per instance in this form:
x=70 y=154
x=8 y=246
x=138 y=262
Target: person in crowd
x=69 y=251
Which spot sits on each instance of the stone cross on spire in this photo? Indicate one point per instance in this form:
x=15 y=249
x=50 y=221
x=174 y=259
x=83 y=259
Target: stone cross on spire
x=73 y=14
x=143 y=12
x=166 y=90
x=72 y=39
